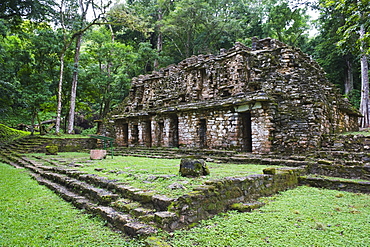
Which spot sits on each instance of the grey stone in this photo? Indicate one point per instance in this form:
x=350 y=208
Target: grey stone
x=193 y=168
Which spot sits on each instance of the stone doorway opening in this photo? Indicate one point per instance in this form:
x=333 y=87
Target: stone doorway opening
x=160 y=134
x=174 y=131
x=125 y=134
x=246 y=131
x=147 y=133
x=203 y=133
x=135 y=134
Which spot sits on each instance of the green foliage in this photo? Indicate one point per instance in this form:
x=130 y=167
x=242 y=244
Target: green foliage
x=32 y=215
x=340 y=64
x=91 y=131
x=27 y=71
x=287 y=24
x=8 y=134
x=300 y=217
x=354 y=97
x=106 y=68
x=15 y=10
x=142 y=35
x=355 y=13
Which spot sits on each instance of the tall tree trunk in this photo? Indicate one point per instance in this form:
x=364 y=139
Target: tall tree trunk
x=159 y=39
x=364 y=105
x=74 y=84
x=348 y=80
x=59 y=104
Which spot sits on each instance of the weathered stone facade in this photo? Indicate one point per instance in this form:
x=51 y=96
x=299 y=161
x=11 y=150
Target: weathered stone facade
x=268 y=98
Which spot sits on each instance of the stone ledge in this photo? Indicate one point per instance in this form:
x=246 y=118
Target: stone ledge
x=336 y=184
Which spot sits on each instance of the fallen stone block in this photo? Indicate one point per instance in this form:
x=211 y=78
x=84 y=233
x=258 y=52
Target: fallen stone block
x=98 y=154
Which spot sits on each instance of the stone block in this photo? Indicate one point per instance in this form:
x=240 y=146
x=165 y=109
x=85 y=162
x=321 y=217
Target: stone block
x=193 y=168
x=98 y=154
x=51 y=150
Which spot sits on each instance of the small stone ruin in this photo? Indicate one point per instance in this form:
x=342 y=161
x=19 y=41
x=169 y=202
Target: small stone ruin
x=264 y=99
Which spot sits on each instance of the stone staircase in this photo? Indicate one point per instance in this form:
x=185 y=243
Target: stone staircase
x=29 y=144
x=348 y=156
x=133 y=211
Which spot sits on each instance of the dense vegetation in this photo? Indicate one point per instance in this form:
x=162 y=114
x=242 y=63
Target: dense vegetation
x=72 y=60
x=34 y=216
x=8 y=134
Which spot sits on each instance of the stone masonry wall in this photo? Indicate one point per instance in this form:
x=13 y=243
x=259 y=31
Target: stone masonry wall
x=217 y=196
x=271 y=93
x=222 y=130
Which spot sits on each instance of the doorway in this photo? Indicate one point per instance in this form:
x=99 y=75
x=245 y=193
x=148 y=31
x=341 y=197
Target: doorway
x=135 y=134
x=147 y=133
x=246 y=131
x=203 y=133
x=125 y=134
x=160 y=134
x=174 y=132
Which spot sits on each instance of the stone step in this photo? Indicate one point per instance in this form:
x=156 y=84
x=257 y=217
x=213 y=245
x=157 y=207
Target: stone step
x=15 y=158
x=101 y=195
x=343 y=155
x=98 y=195
x=4 y=159
x=335 y=183
x=83 y=196
x=46 y=160
x=67 y=176
x=332 y=169
x=118 y=220
x=69 y=196
x=135 y=209
x=29 y=144
x=147 y=198
x=154 y=156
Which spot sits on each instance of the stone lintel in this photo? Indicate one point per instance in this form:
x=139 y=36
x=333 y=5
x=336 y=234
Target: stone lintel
x=240 y=105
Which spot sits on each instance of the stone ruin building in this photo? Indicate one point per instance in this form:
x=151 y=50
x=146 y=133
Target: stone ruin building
x=264 y=99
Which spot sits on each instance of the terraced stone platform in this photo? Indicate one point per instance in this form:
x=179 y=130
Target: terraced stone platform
x=141 y=213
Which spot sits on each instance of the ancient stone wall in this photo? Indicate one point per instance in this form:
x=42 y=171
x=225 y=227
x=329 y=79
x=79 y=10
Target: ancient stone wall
x=268 y=98
x=217 y=196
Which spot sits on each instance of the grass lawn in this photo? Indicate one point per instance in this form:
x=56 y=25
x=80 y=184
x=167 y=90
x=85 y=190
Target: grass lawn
x=32 y=215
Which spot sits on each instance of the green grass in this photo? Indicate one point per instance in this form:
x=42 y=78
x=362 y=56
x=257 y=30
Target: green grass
x=155 y=174
x=366 y=132
x=301 y=217
x=32 y=215
x=64 y=136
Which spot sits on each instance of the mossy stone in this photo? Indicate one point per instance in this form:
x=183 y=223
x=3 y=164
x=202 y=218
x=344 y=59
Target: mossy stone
x=193 y=168
x=51 y=150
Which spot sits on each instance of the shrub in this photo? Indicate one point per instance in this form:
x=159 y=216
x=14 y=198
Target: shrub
x=8 y=134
